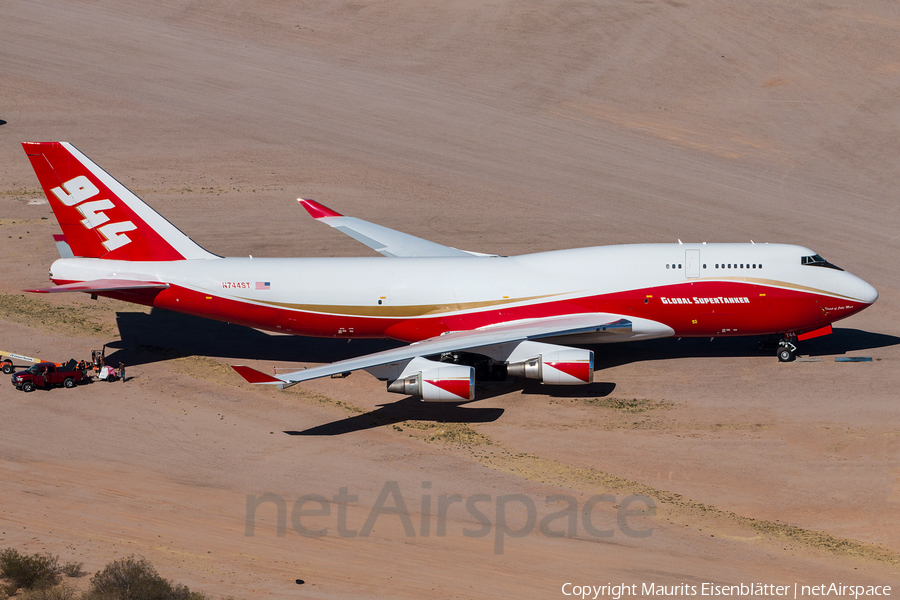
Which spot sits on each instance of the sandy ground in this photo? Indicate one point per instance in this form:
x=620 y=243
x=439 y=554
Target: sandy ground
x=504 y=127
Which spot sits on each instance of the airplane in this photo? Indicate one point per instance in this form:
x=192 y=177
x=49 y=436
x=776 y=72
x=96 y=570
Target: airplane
x=458 y=311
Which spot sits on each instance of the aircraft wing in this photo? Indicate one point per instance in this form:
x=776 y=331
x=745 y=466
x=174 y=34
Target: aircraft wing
x=381 y=239
x=591 y=323
x=104 y=285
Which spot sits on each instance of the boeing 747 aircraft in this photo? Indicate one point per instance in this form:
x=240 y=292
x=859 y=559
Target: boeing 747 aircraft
x=456 y=309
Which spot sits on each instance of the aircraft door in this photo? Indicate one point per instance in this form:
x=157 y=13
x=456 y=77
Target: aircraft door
x=692 y=263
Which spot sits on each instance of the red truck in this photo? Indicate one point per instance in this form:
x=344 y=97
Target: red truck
x=47 y=375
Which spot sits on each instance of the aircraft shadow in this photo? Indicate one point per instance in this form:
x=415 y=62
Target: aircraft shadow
x=839 y=342
x=413 y=409
x=407 y=409
x=164 y=335
x=847 y=340
x=526 y=387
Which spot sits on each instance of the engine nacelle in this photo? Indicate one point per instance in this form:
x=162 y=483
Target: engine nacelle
x=435 y=381
x=556 y=365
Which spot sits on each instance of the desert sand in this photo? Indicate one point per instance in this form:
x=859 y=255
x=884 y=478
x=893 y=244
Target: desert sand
x=504 y=127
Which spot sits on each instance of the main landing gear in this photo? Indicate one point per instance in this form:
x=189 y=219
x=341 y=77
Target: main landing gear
x=485 y=368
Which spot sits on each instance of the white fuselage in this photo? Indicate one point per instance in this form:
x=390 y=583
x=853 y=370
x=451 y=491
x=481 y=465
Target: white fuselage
x=370 y=295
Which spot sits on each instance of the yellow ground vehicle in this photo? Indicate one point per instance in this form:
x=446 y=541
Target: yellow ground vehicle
x=7 y=358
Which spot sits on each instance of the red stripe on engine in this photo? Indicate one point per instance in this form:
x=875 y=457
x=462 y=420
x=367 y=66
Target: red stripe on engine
x=457 y=387
x=578 y=370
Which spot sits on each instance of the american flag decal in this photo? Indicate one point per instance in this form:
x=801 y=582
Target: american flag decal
x=263 y=285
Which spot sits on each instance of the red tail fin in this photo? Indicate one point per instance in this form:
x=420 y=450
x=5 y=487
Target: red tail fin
x=100 y=217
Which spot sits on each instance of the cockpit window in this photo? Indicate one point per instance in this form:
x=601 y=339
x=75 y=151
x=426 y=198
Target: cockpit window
x=817 y=261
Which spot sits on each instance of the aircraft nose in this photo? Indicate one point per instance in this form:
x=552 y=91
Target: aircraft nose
x=867 y=293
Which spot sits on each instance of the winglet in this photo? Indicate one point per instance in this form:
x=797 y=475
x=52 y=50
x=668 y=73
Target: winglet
x=380 y=239
x=316 y=210
x=254 y=376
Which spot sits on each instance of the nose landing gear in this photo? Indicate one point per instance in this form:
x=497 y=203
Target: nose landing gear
x=786 y=351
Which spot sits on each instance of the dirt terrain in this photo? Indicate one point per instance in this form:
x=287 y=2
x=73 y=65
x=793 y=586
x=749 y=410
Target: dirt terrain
x=504 y=127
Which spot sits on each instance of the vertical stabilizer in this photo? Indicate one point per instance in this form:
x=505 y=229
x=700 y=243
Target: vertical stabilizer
x=100 y=217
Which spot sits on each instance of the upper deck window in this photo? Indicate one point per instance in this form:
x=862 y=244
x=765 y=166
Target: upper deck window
x=817 y=261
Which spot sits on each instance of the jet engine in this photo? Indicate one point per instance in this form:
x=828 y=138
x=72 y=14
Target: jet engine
x=548 y=363
x=435 y=381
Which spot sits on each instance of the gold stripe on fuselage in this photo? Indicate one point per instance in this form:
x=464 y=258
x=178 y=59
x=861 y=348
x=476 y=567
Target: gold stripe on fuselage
x=422 y=310
x=385 y=310
x=785 y=284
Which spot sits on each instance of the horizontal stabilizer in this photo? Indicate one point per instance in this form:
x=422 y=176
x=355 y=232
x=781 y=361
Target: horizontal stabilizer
x=62 y=246
x=104 y=285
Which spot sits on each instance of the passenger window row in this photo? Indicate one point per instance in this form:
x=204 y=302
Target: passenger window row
x=723 y=266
